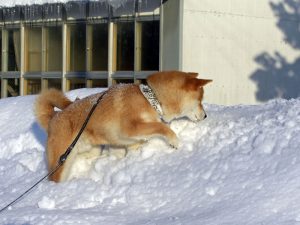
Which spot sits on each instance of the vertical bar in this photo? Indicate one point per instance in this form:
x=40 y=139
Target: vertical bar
x=44 y=49
x=111 y=52
x=23 y=83
x=64 y=85
x=161 y=31
x=4 y=62
x=137 y=47
x=68 y=84
x=89 y=83
x=181 y=11
x=89 y=47
x=3 y=88
x=44 y=84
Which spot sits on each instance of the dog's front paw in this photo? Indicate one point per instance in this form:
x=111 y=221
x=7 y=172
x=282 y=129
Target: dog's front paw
x=174 y=142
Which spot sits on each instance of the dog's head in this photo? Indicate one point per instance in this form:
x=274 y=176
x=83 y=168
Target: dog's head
x=180 y=94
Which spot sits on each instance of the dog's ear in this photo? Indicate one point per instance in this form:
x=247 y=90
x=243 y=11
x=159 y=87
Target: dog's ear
x=198 y=82
x=202 y=82
x=194 y=83
x=193 y=74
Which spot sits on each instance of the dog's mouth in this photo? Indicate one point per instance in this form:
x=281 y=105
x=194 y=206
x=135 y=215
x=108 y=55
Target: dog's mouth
x=200 y=117
x=192 y=116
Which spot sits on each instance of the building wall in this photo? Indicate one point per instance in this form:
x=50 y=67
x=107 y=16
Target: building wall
x=171 y=35
x=79 y=44
x=249 y=48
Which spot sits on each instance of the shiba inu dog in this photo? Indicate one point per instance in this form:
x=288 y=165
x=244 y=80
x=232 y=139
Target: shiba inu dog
x=127 y=115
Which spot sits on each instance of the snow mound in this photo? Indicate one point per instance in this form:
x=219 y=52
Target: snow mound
x=239 y=166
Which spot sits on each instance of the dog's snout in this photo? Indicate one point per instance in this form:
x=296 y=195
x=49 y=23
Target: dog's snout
x=205 y=116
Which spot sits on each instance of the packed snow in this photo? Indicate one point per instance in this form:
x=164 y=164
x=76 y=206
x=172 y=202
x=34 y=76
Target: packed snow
x=239 y=166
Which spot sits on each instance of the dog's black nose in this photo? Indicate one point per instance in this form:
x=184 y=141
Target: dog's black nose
x=205 y=116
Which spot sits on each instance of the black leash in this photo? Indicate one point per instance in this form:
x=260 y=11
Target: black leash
x=62 y=158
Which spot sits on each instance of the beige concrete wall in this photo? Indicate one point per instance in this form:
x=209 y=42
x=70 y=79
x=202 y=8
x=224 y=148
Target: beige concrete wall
x=171 y=20
x=244 y=46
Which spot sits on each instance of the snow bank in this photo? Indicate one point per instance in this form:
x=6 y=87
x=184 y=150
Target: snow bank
x=239 y=166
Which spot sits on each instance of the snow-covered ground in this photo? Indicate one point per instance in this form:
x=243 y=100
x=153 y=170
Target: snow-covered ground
x=239 y=166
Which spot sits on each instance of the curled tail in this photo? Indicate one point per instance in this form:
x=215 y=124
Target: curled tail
x=45 y=103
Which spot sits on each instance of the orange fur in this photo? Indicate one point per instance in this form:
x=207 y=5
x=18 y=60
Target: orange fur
x=123 y=117
x=45 y=104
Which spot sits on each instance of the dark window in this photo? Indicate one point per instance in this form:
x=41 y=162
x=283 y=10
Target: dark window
x=14 y=47
x=123 y=81
x=77 y=48
x=54 y=49
x=33 y=86
x=33 y=50
x=54 y=83
x=150 y=45
x=125 y=46
x=100 y=47
x=0 y=50
x=99 y=83
x=13 y=87
x=77 y=83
